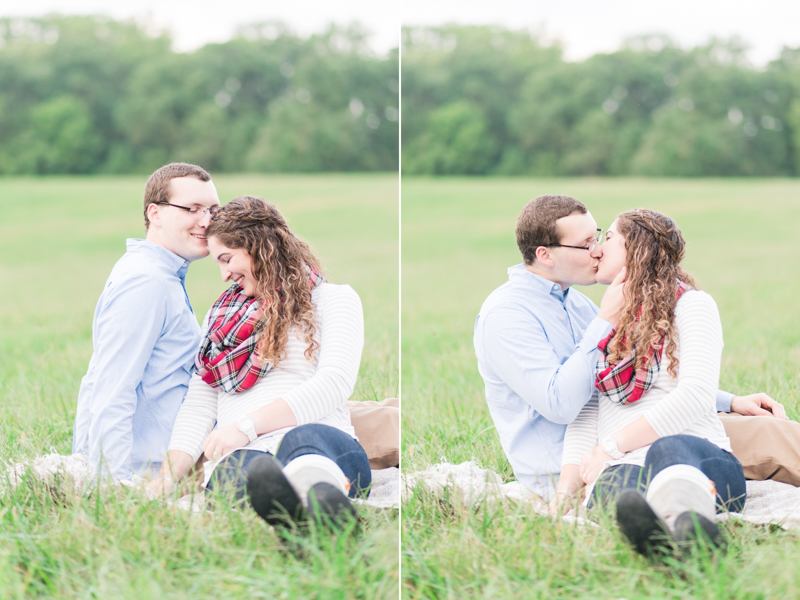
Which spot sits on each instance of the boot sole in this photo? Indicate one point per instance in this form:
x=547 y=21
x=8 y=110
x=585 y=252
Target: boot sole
x=640 y=525
x=691 y=528
x=271 y=495
x=328 y=506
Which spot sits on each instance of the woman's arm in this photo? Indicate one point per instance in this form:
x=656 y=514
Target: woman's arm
x=580 y=438
x=341 y=340
x=275 y=415
x=581 y=434
x=196 y=417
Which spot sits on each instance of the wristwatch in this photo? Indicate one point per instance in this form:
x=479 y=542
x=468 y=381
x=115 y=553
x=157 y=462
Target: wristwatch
x=610 y=447
x=247 y=427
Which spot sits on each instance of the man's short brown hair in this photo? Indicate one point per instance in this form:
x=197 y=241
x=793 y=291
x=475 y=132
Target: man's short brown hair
x=156 y=190
x=536 y=224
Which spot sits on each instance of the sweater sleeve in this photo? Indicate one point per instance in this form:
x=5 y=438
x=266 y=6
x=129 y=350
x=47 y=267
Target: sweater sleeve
x=341 y=340
x=700 y=344
x=581 y=434
x=195 y=419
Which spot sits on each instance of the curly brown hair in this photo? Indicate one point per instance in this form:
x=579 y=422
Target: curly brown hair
x=280 y=263
x=654 y=249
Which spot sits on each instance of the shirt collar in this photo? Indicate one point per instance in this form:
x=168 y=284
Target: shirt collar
x=172 y=261
x=519 y=274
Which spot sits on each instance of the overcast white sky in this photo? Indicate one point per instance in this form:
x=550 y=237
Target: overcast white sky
x=589 y=26
x=584 y=26
x=194 y=23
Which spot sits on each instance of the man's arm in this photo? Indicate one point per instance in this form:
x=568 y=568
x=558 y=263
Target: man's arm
x=517 y=349
x=724 y=401
x=758 y=405
x=127 y=328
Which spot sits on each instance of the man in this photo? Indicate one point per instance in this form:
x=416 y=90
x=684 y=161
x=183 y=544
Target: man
x=145 y=333
x=536 y=342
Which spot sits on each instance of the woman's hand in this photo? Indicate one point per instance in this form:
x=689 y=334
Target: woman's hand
x=561 y=503
x=569 y=484
x=176 y=464
x=160 y=487
x=224 y=440
x=592 y=464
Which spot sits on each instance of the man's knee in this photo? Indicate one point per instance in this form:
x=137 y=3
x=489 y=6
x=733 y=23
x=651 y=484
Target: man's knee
x=768 y=448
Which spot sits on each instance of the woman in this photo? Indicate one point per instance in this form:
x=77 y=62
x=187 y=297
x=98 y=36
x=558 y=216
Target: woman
x=650 y=438
x=279 y=357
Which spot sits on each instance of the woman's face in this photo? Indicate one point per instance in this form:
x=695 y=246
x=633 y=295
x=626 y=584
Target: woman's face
x=612 y=256
x=234 y=265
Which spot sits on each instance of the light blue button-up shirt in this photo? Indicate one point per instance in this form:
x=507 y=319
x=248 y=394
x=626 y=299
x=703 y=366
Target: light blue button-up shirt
x=145 y=337
x=537 y=349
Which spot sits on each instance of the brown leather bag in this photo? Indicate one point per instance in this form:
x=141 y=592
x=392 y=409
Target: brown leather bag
x=377 y=426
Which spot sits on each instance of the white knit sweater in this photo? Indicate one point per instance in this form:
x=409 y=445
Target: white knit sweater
x=685 y=405
x=315 y=390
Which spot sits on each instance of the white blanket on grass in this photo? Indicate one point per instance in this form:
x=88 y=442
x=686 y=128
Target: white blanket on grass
x=75 y=474
x=768 y=502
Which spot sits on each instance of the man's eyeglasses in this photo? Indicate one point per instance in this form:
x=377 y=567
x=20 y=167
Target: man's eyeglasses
x=598 y=239
x=197 y=211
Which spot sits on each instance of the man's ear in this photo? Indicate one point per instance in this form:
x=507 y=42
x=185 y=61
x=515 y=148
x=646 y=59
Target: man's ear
x=153 y=215
x=543 y=256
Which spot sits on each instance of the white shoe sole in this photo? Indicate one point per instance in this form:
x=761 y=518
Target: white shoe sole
x=306 y=471
x=679 y=489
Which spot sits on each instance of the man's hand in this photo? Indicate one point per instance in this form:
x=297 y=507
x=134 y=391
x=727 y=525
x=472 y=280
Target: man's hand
x=758 y=405
x=224 y=440
x=614 y=299
x=592 y=464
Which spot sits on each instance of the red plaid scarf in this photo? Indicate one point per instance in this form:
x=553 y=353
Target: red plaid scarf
x=618 y=381
x=227 y=359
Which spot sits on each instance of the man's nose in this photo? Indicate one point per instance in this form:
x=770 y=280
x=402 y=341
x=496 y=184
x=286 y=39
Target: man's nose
x=205 y=219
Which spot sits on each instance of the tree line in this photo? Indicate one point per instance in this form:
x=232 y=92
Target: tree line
x=487 y=100
x=89 y=94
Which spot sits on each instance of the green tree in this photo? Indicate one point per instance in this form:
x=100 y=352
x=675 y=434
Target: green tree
x=60 y=139
x=457 y=141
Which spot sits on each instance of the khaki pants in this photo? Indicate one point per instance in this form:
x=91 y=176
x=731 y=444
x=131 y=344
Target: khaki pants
x=768 y=448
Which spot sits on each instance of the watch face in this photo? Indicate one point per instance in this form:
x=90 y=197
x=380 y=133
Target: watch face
x=610 y=448
x=247 y=427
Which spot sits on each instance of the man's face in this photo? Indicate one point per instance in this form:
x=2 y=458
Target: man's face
x=178 y=230
x=575 y=266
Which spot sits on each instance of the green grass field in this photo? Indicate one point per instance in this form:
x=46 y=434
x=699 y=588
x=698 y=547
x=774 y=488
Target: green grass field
x=59 y=238
x=457 y=242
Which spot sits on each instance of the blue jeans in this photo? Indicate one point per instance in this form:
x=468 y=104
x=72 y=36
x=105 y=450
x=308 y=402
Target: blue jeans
x=719 y=466
x=313 y=438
